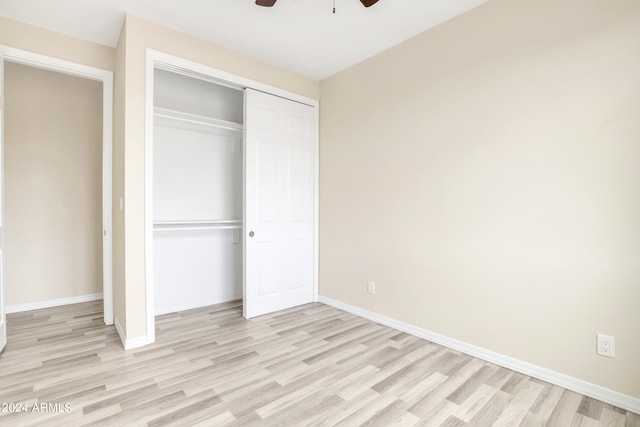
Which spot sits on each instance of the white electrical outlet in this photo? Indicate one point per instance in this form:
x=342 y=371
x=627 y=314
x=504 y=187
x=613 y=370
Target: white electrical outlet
x=605 y=345
x=371 y=287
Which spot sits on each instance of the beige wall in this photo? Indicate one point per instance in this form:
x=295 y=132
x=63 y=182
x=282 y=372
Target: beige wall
x=45 y=42
x=53 y=185
x=486 y=174
x=140 y=35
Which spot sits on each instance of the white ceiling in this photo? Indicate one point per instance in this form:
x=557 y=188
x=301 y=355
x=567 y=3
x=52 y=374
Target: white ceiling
x=300 y=35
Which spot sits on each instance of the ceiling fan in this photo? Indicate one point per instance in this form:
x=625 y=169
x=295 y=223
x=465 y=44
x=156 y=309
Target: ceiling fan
x=269 y=3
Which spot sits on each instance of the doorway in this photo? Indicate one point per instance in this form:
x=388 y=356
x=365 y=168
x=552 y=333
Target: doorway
x=99 y=194
x=53 y=187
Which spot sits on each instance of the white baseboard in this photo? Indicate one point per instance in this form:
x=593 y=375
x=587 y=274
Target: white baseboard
x=615 y=398
x=130 y=344
x=52 y=303
x=198 y=304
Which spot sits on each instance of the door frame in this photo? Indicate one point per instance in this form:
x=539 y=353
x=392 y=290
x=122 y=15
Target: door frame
x=180 y=65
x=36 y=60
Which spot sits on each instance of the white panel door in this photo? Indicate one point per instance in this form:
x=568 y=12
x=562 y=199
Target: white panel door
x=3 y=317
x=279 y=203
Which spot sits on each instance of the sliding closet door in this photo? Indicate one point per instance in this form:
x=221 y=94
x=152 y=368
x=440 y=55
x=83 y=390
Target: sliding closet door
x=3 y=318
x=279 y=203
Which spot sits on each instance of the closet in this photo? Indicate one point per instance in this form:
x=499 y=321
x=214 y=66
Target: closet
x=233 y=176
x=197 y=192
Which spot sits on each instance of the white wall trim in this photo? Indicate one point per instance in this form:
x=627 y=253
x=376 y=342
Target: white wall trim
x=130 y=344
x=316 y=206
x=106 y=77
x=148 y=198
x=19 y=308
x=600 y=393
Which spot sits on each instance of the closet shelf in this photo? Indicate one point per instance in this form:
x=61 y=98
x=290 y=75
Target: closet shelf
x=195 y=119
x=187 y=225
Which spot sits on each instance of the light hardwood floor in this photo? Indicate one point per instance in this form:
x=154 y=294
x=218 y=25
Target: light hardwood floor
x=311 y=365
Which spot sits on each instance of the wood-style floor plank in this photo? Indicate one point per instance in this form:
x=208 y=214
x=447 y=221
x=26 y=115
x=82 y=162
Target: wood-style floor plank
x=310 y=365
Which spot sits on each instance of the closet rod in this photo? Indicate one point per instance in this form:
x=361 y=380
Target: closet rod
x=166 y=222
x=195 y=228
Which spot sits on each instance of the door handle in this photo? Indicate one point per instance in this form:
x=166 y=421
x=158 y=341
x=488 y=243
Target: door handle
x=251 y=234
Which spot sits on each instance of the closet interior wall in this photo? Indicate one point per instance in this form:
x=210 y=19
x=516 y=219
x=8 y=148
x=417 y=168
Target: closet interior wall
x=197 y=192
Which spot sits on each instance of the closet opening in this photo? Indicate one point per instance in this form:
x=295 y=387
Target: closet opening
x=197 y=191
x=231 y=192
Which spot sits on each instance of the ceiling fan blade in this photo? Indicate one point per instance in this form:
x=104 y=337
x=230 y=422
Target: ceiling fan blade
x=267 y=3
x=368 y=3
